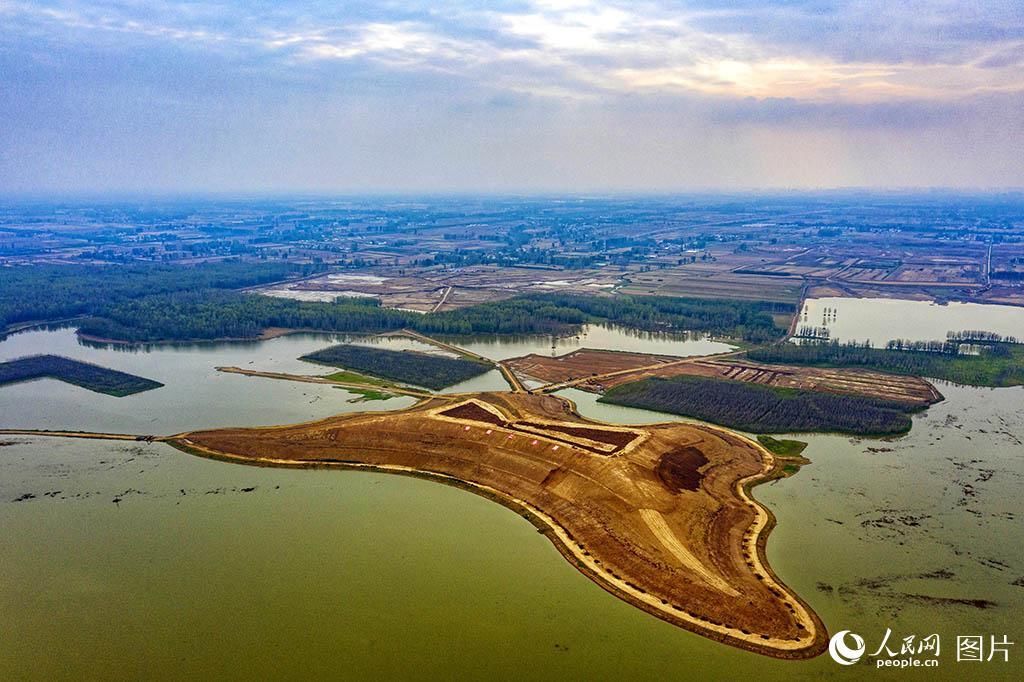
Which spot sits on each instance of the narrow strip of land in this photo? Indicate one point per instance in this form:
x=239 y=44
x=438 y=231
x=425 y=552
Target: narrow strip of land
x=452 y=348
x=444 y=298
x=558 y=386
x=305 y=378
x=511 y=378
x=89 y=435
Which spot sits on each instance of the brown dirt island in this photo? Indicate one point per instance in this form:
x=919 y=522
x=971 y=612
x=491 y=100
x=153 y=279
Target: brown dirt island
x=659 y=515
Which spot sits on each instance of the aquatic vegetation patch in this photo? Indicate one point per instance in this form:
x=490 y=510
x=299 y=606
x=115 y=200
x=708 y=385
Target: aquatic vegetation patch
x=782 y=446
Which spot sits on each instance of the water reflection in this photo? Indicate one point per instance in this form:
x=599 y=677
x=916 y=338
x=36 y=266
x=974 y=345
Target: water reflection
x=204 y=569
x=880 y=320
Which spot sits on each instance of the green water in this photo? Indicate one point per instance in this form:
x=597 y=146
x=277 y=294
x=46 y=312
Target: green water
x=145 y=562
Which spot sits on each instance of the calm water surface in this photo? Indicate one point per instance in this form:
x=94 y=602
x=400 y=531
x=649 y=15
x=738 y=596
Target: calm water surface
x=880 y=320
x=139 y=561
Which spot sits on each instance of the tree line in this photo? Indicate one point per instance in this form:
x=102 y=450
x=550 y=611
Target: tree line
x=166 y=302
x=52 y=292
x=214 y=314
x=980 y=336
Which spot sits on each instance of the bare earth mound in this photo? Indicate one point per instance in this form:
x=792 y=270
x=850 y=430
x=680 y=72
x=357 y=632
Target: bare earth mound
x=660 y=515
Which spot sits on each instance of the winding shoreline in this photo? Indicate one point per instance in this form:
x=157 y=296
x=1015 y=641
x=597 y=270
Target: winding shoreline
x=812 y=637
x=812 y=645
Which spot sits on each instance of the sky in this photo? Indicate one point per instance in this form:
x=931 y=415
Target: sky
x=519 y=96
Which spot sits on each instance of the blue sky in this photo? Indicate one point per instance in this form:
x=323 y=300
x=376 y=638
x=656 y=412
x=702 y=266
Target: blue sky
x=140 y=96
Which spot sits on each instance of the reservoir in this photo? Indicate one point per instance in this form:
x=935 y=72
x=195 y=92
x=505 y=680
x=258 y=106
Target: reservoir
x=137 y=560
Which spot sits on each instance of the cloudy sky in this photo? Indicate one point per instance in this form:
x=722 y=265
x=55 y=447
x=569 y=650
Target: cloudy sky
x=336 y=96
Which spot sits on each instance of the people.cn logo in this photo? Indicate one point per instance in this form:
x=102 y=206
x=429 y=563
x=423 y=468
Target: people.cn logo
x=843 y=654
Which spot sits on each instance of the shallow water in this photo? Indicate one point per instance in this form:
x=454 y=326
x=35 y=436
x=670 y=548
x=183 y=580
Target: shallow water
x=195 y=395
x=875 y=533
x=147 y=562
x=880 y=320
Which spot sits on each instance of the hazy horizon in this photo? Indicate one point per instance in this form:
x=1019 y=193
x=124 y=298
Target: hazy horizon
x=510 y=97
x=709 y=194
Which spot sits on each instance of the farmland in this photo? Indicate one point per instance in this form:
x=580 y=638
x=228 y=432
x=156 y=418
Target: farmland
x=446 y=254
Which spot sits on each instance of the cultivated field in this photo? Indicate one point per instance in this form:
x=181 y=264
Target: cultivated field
x=582 y=363
x=436 y=289
x=912 y=390
x=598 y=371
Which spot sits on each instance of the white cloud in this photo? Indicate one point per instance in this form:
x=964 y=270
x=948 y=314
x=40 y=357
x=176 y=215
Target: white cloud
x=583 y=49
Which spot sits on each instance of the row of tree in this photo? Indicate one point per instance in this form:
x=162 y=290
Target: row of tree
x=998 y=365
x=763 y=409
x=980 y=336
x=807 y=331
x=944 y=347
